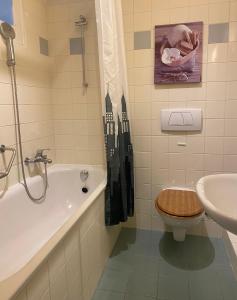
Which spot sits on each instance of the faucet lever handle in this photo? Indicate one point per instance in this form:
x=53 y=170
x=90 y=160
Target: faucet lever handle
x=40 y=152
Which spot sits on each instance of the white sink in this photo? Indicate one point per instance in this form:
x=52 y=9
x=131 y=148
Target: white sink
x=218 y=194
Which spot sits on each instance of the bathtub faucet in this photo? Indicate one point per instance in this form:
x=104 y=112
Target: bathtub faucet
x=39 y=157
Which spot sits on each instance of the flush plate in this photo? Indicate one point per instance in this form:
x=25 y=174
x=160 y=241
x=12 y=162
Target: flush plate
x=181 y=119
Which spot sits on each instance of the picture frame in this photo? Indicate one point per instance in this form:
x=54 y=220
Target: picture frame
x=178 y=53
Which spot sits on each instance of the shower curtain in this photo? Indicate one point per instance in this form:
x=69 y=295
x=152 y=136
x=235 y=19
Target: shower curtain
x=119 y=193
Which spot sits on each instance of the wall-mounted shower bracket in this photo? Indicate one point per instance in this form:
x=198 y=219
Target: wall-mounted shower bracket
x=3 y=149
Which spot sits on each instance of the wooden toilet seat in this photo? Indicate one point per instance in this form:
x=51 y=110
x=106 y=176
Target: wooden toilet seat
x=179 y=203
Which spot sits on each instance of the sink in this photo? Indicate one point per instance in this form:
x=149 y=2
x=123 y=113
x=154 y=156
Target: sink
x=218 y=194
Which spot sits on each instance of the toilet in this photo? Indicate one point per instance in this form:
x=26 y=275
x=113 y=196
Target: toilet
x=180 y=209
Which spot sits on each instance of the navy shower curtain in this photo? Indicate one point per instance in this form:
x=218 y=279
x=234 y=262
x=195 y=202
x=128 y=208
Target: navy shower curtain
x=119 y=192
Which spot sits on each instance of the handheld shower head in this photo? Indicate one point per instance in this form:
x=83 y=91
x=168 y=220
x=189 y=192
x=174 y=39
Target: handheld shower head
x=8 y=34
x=7 y=31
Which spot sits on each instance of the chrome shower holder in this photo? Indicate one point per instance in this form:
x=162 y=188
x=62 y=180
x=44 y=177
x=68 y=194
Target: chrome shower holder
x=82 y=24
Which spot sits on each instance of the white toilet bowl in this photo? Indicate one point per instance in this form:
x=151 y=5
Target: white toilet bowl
x=179 y=211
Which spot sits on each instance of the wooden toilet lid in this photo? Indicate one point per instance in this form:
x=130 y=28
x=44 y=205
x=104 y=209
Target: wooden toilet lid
x=179 y=203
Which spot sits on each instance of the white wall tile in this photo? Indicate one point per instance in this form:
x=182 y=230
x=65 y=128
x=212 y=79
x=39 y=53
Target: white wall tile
x=232 y=71
x=233 y=32
x=232 y=56
x=142 y=93
x=142 y=176
x=142 y=111
x=39 y=284
x=233 y=11
x=142 y=159
x=160 y=16
x=213 y=163
x=142 y=143
x=141 y=6
x=142 y=21
x=230 y=163
x=217 y=52
x=214 y=145
x=230 y=145
x=230 y=127
x=178 y=15
x=231 y=107
x=143 y=58
x=218 y=12
x=216 y=72
x=215 y=109
x=127 y=6
x=216 y=91
x=58 y=286
x=198 y=13
x=214 y=127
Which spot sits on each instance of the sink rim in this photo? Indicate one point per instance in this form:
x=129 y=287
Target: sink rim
x=227 y=221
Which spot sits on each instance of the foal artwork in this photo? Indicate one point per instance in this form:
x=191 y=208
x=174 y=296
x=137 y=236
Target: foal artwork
x=178 y=53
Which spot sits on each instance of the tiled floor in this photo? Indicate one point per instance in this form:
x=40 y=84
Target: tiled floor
x=148 y=265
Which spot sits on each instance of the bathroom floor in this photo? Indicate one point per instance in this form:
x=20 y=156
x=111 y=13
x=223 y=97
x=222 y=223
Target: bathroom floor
x=148 y=265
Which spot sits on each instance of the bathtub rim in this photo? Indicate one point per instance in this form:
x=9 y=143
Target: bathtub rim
x=11 y=285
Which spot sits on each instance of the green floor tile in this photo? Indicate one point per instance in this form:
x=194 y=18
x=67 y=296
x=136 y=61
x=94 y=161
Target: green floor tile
x=228 y=284
x=114 y=280
x=173 y=288
x=136 y=297
x=168 y=269
x=221 y=256
x=108 y=295
x=129 y=236
x=205 y=286
x=123 y=261
x=142 y=284
x=146 y=265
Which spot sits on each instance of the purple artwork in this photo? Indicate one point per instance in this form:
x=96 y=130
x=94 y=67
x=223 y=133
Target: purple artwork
x=178 y=53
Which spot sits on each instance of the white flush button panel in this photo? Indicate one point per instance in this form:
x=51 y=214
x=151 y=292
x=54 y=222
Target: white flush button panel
x=187 y=119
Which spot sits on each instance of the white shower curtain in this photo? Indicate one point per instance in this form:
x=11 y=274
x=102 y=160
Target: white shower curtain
x=119 y=199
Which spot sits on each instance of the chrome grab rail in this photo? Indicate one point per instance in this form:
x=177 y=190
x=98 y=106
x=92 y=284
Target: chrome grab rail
x=3 y=148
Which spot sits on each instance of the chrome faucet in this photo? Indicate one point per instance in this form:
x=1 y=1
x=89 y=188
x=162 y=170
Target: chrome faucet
x=84 y=174
x=40 y=157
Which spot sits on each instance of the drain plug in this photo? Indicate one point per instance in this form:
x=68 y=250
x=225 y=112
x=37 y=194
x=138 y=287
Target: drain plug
x=84 y=190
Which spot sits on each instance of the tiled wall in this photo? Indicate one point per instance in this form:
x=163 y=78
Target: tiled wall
x=33 y=79
x=54 y=111
x=77 y=115
x=159 y=161
x=73 y=269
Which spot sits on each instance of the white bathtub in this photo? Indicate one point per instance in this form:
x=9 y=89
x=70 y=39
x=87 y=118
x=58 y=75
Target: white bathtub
x=25 y=227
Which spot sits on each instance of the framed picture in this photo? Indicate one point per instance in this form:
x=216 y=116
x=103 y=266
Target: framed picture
x=178 y=53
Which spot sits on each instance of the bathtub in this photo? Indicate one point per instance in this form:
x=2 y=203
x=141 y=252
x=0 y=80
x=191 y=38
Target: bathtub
x=27 y=228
